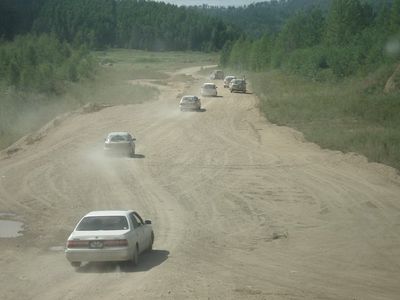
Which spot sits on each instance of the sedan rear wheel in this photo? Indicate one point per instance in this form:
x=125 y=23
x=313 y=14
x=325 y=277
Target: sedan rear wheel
x=76 y=264
x=135 y=258
x=151 y=243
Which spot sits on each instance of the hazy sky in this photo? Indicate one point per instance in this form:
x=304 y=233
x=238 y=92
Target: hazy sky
x=212 y=2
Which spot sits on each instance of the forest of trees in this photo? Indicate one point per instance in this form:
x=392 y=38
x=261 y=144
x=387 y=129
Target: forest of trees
x=350 y=37
x=268 y=17
x=316 y=38
x=41 y=41
x=99 y=24
x=42 y=63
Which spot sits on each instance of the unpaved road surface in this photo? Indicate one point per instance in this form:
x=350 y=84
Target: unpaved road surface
x=241 y=208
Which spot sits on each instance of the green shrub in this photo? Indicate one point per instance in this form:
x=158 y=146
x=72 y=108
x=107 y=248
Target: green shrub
x=308 y=62
x=40 y=63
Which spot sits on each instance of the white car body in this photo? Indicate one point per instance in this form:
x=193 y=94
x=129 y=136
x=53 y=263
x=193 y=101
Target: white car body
x=120 y=143
x=217 y=74
x=209 y=89
x=227 y=80
x=189 y=102
x=110 y=235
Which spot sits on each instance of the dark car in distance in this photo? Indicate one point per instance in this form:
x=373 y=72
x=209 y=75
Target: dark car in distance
x=237 y=85
x=217 y=74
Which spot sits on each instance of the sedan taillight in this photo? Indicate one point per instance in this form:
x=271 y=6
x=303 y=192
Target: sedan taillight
x=116 y=243
x=77 y=244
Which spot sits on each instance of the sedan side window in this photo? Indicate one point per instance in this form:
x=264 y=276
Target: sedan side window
x=138 y=218
x=135 y=223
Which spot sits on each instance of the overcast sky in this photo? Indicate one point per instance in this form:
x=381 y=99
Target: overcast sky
x=212 y=2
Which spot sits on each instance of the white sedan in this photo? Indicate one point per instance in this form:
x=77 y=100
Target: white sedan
x=209 y=89
x=110 y=235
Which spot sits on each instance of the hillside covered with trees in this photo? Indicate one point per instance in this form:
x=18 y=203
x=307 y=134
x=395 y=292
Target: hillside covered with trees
x=352 y=36
x=268 y=17
x=99 y=24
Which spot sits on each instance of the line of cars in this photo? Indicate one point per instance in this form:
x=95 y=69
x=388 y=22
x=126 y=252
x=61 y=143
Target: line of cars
x=192 y=102
x=209 y=89
x=232 y=82
x=235 y=84
x=111 y=235
x=122 y=235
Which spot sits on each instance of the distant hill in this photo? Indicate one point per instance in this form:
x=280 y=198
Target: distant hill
x=269 y=16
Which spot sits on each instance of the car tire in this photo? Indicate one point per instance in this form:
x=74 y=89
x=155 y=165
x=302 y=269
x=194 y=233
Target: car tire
x=135 y=256
x=151 y=243
x=76 y=264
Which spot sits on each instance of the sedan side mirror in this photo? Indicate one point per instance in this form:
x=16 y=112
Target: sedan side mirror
x=147 y=222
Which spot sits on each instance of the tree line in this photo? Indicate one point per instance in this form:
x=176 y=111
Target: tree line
x=99 y=24
x=351 y=36
x=319 y=39
x=41 y=41
x=43 y=63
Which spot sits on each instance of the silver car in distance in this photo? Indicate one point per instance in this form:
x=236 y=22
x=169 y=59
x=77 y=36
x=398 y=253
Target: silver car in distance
x=122 y=143
x=227 y=80
x=109 y=235
x=190 y=102
x=209 y=89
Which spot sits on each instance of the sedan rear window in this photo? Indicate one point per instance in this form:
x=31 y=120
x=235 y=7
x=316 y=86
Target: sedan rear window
x=189 y=99
x=119 y=138
x=103 y=223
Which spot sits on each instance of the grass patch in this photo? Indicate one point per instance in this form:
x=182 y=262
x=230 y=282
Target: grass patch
x=348 y=116
x=158 y=61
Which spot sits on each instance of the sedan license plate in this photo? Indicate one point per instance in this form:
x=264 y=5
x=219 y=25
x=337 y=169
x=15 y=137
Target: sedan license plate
x=96 y=244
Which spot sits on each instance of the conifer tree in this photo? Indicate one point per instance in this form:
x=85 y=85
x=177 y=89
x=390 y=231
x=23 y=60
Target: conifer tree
x=395 y=17
x=345 y=20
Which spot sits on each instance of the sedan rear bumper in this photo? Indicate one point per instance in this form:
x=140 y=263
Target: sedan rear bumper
x=97 y=255
x=189 y=107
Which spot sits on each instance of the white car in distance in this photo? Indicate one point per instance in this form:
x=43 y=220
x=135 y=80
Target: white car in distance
x=209 y=90
x=122 y=143
x=190 y=102
x=109 y=235
x=227 y=80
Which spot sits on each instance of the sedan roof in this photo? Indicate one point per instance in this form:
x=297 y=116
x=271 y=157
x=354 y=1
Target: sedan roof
x=189 y=97
x=99 y=213
x=118 y=133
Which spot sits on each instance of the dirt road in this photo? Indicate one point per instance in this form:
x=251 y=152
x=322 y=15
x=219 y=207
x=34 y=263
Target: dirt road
x=242 y=209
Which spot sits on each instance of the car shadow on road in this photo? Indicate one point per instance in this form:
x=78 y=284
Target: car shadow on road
x=147 y=261
x=244 y=93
